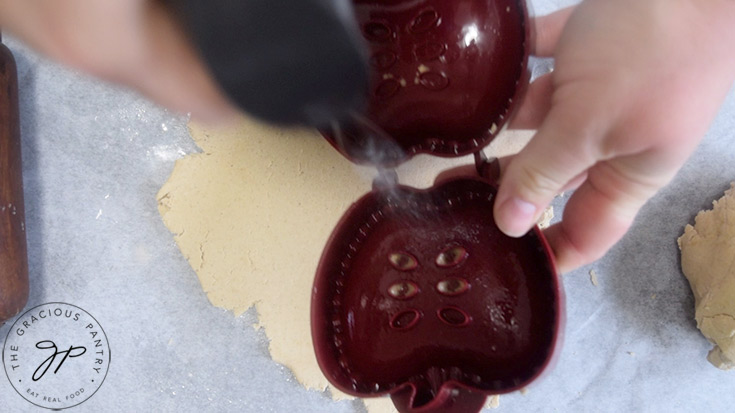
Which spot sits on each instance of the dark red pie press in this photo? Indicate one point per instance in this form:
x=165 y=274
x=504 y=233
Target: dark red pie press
x=418 y=294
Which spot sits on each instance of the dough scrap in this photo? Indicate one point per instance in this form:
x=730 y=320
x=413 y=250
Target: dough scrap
x=252 y=213
x=544 y=220
x=708 y=262
x=593 y=277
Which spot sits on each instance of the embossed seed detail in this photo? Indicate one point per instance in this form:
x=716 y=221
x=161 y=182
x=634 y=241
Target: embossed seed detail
x=403 y=290
x=424 y=21
x=403 y=261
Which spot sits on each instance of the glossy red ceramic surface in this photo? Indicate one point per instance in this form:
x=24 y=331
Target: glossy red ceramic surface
x=418 y=294
x=444 y=76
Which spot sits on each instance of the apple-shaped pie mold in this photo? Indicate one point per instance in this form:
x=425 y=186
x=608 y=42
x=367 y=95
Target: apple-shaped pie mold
x=418 y=294
x=445 y=76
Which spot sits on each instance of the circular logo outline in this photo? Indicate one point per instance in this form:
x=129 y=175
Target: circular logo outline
x=12 y=328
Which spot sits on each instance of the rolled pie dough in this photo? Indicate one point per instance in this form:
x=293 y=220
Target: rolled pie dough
x=252 y=213
x=708 y=262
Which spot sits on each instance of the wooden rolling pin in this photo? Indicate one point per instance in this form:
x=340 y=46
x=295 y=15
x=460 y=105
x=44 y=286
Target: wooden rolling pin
x=13 y=250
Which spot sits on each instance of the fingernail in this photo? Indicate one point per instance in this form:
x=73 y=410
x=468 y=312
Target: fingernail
x=515 y=217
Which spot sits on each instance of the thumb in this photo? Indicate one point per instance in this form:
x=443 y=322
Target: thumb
x=563 y=149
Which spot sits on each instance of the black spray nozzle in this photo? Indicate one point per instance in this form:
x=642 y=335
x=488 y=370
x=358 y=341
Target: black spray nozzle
x=286 y=62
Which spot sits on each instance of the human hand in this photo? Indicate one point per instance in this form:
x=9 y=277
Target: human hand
x=133 y=42
x=635 y=87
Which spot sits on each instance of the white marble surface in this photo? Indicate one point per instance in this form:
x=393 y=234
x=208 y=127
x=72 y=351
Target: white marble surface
x=94 y=157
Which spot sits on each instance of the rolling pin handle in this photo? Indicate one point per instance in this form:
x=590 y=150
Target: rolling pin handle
x=13 y=249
